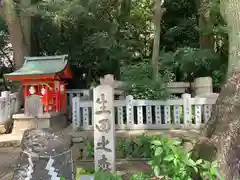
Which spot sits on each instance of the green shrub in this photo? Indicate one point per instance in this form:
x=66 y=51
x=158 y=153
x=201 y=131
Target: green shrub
x=140 y=84
x=139 y=176
x=90 y=148
x=170 y=160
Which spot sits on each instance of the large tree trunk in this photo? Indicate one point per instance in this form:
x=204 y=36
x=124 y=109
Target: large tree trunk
x=16 y=33
x=221 y=134
x=206 y=40
x=158 y=13
x=26 y=22
x=230 y=9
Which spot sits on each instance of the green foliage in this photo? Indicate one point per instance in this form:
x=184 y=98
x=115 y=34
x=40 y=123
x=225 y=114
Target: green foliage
x=102 y=36
x=189 y=63
x=80 y=171
x=185 y=64
x=90 y=148
x=170 y=160
x=144 y=146
x=127 y=148
x=98 y=175
x=179 y=26
x=102 y=41
x=139 y=83
x=139 y=148
x=139 y=176
x=88 y=31
x=106 y=176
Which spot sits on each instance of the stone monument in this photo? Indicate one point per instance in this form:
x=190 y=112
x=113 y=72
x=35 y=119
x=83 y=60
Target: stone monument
x=44 y=155
x=104 y=129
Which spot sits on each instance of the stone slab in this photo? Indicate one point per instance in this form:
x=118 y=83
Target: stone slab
x=10 y=140
x=55 y=121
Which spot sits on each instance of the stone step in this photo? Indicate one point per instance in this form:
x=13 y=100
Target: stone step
x=10 y=140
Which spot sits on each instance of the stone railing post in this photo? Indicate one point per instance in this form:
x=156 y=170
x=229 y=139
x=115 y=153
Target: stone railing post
x=187 y=110
x=76 y=113
x=6 y=95
x=129 y=110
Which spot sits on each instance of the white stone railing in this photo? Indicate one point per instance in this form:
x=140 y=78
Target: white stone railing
x=71 y=93
x=201 y=85
x=8 y=106
x=184 y=113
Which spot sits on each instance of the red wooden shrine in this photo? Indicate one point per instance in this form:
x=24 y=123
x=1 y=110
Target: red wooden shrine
x=44 y=76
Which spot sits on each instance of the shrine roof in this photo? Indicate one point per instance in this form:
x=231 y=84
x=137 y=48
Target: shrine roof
x=41 y=65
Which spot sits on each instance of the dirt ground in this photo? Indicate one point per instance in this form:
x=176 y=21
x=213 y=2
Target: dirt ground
x=8 y=158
